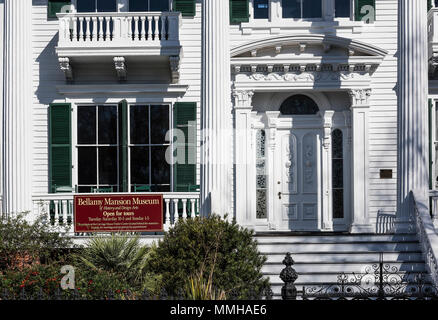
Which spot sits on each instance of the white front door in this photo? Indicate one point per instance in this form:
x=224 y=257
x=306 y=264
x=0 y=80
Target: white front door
x=297 y=177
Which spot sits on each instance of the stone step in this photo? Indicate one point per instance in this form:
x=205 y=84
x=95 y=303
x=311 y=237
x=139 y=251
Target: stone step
x=336 y=238
x=360 y=268
x=346 y=257
x=337 y=247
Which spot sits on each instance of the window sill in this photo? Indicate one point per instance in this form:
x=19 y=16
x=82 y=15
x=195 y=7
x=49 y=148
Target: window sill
x=321 y=26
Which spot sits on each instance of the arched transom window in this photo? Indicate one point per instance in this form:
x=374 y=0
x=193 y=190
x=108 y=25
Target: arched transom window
x=299 y=104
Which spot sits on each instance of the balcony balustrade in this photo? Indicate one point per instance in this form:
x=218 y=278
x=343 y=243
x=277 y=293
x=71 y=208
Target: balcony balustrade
x=121 y=31
x=58 y=208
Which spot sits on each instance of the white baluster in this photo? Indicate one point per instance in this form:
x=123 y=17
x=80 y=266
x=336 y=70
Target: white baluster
x=175 y=211
x=100 y=24
x=88 y=31
x=149 y=22
x=64 y=211
x=192 y=209
x=75 y=29
x=167 y=213
x=94 y=21
x=136 y=32
x=108 y=30
x=156 y=29
x=56 y=205
x=143 y=28
x=184 y=203
x=129 y=24
x=81 y=28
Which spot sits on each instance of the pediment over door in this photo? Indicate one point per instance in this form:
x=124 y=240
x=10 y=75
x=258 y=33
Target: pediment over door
x=307 y=61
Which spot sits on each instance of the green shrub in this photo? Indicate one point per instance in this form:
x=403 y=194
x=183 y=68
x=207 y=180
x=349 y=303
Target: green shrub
x=23 y=244
x=119 y=255
x=211 y=246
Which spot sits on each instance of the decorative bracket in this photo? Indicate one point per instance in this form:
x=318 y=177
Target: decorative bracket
x=120 y=66
x=64 y=64
x=174 y=68
x=328 y=123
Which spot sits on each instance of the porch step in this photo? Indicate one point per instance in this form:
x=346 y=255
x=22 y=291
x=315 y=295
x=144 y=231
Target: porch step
x=321 y=258
x=282 y=247
x=337 y=268
x=346 y=257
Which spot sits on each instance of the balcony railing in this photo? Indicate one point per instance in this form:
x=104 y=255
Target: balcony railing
x=57 y=208
x=118 y=30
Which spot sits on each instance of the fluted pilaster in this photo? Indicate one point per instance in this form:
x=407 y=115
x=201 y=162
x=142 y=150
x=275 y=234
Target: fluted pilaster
x=412 y=106
x=216 y=153
x=17 y=106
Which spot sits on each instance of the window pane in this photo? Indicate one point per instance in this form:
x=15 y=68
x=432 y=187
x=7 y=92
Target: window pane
x=291 y=8
x=87 y=125
x=338 y=173
x=159 y=124
x=107 y=124
x=86 y=6
x=108 y=165
x=160 y=168
x=338 y=204
x=312 y=9
x=140 y=165
x=261 y=9
x=139 y=119
x=342 y=8
x=159 y=5
x=138 y=5
x=87 y=166
x=106 y=5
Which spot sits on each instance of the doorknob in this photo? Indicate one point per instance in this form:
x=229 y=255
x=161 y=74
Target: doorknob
x=279 y=195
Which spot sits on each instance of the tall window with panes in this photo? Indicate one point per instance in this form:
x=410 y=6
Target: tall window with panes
x=122 y=148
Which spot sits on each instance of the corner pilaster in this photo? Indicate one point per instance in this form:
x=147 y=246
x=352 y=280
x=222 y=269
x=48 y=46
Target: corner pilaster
x=360 y=171
x=245 y=209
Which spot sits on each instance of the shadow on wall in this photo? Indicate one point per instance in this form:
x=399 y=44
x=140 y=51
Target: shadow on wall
x=385 y=222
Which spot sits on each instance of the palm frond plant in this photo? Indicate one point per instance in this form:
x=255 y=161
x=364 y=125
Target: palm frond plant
x=120 y=254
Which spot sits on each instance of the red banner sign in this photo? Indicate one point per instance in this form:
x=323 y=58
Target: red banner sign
x=113 y=213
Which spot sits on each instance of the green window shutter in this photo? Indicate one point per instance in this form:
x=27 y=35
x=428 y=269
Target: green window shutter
x=186 y=7
x=361 y=13
x=429 y=5
x=55 y=6
x=123 y=146
x=184 y=174
x=239 y=11
x=60 y=170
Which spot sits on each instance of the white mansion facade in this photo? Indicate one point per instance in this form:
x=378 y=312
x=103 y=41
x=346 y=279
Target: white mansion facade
x=290 y=115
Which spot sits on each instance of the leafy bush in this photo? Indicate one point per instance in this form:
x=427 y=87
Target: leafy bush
x=121 y=256
x=45 y=280
x=222 y=249
x=23 y=244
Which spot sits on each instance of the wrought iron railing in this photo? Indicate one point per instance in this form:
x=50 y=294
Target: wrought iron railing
x=379 y=281
x=425 y=231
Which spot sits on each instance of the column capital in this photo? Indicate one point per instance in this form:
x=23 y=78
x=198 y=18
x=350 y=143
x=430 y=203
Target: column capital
x=360 y=97
x=243 y=98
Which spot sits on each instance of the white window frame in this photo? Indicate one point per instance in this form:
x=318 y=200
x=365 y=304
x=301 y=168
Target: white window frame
x=75 y=145
x=170 y=107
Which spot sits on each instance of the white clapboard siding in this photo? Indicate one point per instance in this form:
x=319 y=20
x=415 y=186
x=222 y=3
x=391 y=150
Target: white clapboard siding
x=47 y=75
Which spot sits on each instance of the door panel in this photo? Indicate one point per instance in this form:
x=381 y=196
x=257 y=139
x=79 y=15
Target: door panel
x=297 y=174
